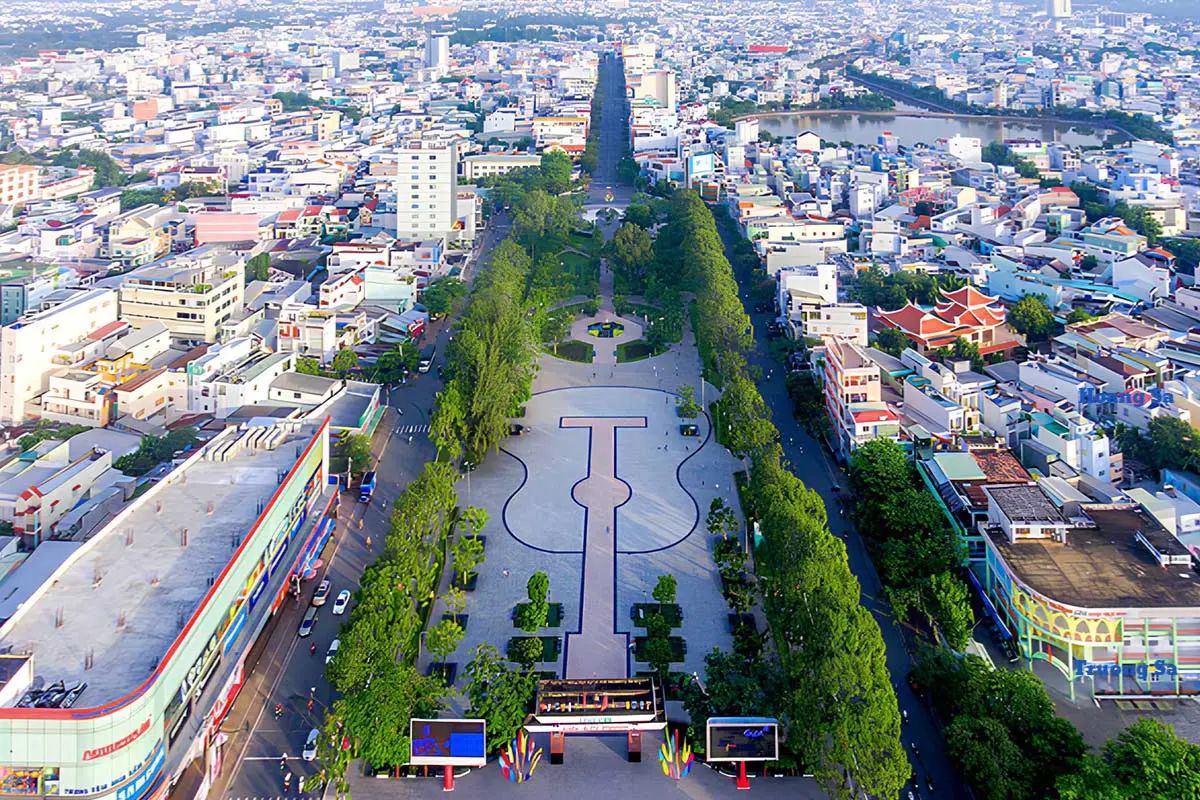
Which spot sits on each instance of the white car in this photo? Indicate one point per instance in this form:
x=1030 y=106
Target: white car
x=310 y=745
x=343 y=600
x=333 y=648
x=322 y=593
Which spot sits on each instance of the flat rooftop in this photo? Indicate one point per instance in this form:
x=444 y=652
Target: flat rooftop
x=1102 y=567
x=129 y=595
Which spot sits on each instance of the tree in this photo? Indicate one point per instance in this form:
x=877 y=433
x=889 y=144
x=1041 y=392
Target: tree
x=525 y=651
x=345 y=361
x=455 y=600
x=1150 y=761
x=107 y=171
x=376 y=716
x=628 y=170
x=497 y=694
x=467 y=554
x=534 y=614
x=948 y=603
x=474 y=519
x=442 y=639
x=257 y=268
x=631 y=252
x=1032 y=316
x=638 y=214
x=892 y=340
x=983 y=750
x=1078 y=314
x=664 y=589
x=440 y=296
x=356 y=449
x=556 y=169
x=307 y=365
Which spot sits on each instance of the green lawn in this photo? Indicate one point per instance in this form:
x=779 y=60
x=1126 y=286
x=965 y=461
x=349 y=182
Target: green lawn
x=636 y=350
x=574 y=350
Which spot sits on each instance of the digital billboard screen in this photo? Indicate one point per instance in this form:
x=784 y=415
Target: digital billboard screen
x=742 y=739
x=448 y=742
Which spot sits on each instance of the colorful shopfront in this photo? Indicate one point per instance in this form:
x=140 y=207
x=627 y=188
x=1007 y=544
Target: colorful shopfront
x=1130 y=651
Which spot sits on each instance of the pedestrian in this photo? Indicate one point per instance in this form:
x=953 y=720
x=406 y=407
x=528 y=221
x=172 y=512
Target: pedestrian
x=368 y=542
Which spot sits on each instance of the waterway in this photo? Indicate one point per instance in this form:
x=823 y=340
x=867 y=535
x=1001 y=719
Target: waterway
x=912 y=124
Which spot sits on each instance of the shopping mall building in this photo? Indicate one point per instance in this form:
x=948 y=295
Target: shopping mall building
x=1099 y=591
x=157 y=614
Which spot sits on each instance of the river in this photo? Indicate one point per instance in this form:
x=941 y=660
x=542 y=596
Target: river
x=864 y=128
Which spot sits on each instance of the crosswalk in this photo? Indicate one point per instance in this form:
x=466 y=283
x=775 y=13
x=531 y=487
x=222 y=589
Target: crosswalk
x=413 y=429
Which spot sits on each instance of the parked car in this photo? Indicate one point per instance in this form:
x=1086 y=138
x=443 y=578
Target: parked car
x=310 y=745
x=340 y=603
x=308 y=623
x=333 y=648
x=322 y=593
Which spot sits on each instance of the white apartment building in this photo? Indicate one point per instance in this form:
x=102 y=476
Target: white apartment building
x=29 y=345
x=192 y=294
x=843 y=320
x=437 y=52
x=426 y=183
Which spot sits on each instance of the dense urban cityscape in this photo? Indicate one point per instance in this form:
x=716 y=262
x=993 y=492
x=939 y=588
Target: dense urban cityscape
x=334 y=338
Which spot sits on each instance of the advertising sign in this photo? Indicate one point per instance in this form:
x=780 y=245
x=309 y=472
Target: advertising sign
x=138 y=786
x=742 y=739
x=447 y=742
x=596 y=701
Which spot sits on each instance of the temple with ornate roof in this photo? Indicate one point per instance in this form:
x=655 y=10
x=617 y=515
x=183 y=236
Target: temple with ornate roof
x=967 y=313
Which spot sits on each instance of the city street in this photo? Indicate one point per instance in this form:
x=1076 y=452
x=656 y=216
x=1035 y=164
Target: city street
x=287 y=672
x=812 y=464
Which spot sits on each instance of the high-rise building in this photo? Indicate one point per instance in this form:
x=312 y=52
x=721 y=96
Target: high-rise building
x=426 y=181
x=1058 y=9
x=437 y=52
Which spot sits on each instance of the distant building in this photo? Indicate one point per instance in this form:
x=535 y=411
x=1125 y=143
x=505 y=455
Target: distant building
x=191 y=294
x=437 y=52
x=1058 y=9
x=426 y=182
x=853 y=398
x=18 y=183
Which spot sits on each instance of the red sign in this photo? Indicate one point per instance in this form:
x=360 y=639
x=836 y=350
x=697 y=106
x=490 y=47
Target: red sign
x=124 y=741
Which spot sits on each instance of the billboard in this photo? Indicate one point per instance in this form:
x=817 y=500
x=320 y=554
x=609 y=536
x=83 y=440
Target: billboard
x=700 y=165
x=447 y=742
x=596 y=701
x=742 y=739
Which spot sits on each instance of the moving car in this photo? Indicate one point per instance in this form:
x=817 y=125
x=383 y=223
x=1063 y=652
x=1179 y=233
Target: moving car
x=310 y=745
x=340 y=603
x=308 y=623
x=322 y=594
x=333 y=648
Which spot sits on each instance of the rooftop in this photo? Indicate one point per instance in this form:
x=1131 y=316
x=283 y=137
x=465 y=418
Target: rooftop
x=1102 y=567
x=1024 y=503
x=137 y=582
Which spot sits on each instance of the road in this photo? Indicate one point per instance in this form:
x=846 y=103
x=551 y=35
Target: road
x=813 y=465
x=613 y=144
x=287 y=673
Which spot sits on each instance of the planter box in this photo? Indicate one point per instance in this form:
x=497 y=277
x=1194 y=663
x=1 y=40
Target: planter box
x=551 y=647
x=469 y=586
x=678 y=648
x=553 y=617
x=461 y=619
x=449 y=671
x=671 y=612
x=742 y=620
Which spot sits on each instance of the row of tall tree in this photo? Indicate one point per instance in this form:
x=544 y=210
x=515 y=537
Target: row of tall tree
x=374 y=672
x=830 y=685
x=918 y=554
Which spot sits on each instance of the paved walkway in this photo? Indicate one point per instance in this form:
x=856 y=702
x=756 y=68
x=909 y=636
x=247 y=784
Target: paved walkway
x=597 y=650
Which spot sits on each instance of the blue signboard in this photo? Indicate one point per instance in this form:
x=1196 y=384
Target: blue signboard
x=742 y=739
x=448 y=742
x=137 y=787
